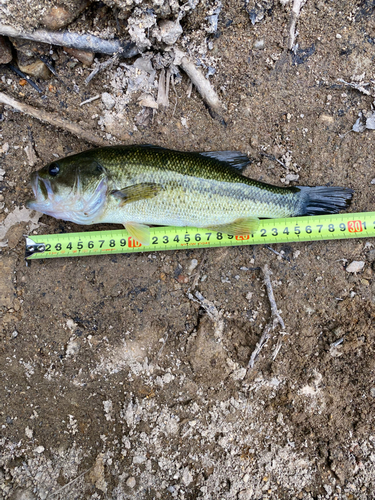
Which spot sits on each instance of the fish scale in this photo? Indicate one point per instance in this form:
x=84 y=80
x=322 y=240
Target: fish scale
x=149 y=185
x=198 y=190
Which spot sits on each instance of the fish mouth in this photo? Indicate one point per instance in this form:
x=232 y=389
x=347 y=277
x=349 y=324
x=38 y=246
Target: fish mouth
x=42 y=191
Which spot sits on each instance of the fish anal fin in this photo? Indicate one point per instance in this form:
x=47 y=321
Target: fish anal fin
x=238 y=227
x=139 y=232
x=137 y=192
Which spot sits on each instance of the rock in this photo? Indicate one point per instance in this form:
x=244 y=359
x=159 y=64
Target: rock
x=327 y=119
x=72 y=348
x=5 y=50
x=39 y=449
x=170 y=31
x=356 y=266
x=37 y=69
x=29 y=48
x=259 y=44
x=86 y=58
x=192 y=266
x=131 y=482
x=147 y=101
x=97 y=476
x=187 y=477
x=371 y=255
x=60 y=16
x=29 y=432
x=108 y=100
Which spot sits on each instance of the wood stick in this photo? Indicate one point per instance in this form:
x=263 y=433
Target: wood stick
x=296 y=9
x=73 y=40
x=203 y=86
x=271 y=325
x=54 y=120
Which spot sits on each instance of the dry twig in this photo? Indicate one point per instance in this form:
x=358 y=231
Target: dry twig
x=296 y=9
x=70 y=483
x=101 y=66
x=214 y=315
x=90 y=100
x=275 y=320
x=74 y=41
x=53 y=119
x=203 y=86
x=198 y=273
x=358 y=86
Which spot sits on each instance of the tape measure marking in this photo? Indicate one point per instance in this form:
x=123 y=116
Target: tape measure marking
x=289 y=230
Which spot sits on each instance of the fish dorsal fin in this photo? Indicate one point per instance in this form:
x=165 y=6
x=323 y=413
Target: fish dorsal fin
x=139 y=232
x=238 y=227
x=234 y=159
x=137 y=192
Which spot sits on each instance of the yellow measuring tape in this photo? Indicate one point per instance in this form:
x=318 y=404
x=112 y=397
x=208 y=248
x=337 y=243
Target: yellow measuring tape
x=289 y=230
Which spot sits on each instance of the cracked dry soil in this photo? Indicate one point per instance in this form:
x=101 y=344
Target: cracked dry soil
x=113 y=383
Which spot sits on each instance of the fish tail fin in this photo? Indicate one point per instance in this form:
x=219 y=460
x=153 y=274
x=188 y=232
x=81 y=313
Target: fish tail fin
x=323 y=200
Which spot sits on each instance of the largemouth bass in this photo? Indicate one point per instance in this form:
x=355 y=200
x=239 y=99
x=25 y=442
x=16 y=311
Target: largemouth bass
x=141 y=185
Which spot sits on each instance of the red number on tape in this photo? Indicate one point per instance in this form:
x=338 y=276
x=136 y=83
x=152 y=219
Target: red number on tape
x=355 y=226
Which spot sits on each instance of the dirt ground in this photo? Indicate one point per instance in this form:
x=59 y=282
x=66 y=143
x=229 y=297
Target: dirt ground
x=114 y=383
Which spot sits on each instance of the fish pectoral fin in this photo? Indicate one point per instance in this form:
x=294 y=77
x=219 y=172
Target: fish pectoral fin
x=238 y=227
x=137 y=192
x=139 y=232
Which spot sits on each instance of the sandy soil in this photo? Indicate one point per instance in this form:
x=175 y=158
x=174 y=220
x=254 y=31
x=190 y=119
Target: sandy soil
x=114 y=383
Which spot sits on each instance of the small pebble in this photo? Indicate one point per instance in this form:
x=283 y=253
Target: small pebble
x=183 y=279
x=5 y=51
x=170 y=31
x=187 y=478
x=14 y=334
x=86 y=58
x=60 y=16
x=29 y=432
x=259 y=44
x=39 y=449
x=72 y=348
x=372 y=392
x=131 y=482
x=108 y=100
x=355 y=267
x=193 y=265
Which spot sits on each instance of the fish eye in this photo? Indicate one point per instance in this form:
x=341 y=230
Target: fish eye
x=53 y=169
